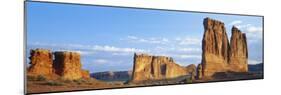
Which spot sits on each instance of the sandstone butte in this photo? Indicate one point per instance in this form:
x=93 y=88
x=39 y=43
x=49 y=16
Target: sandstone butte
x=41 y=62
x=147 y=67
x=65 y=64
x=217 y=54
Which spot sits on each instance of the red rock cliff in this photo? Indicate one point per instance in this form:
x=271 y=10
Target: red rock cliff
x=148 y=67
x=40 y=62
x=215 y=47
x=65 y=64
x=238 y=51
x=217 y=54
x=68 y=65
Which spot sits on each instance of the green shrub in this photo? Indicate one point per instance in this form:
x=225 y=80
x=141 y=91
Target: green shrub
x=80 y=81
x=41 y=78
x=189 y=80
x=31 y=78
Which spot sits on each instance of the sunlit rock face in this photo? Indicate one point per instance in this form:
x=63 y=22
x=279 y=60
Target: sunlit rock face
x=147 y=67
x=68 y=65
x=217 y=54
x=41 y=62
x=215 y=47
x=238 y=51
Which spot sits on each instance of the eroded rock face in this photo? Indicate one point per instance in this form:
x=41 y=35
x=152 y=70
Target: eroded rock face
x=148 y=67
x=64 y=64
x=191 y=69
x=217 y=54
x=199 y=72
x=238 y=51
x=68 y=65
x=40 y=62
x=215 y=47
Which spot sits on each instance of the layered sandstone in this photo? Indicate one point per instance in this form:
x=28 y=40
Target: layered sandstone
x=217 y=54
x=191 y=69
x=238 y=51
x=68 y=65
x=64 y=64
x=40 y=62
x=215 y=47
x=147 y=67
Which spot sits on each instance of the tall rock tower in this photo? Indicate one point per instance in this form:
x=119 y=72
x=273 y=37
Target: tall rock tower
x=215 y=47
x=220 y=56
x=238 y=51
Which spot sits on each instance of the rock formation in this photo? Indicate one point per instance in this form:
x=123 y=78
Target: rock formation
x=199 y=71
x=148 y=67
x=191 y=69
x=215 y=47
x=238 y=51
x=41 y=62
x=217 y=54
x=68 y=65
x=65 y=64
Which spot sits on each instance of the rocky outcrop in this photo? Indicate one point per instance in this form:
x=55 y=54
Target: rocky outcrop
x=238 y=51
x=65 y=64
x=40 y=62
x=147 y=67
x=215 y=47
x=68 y=65
x=191 y=69
x=199 y=72
x=217 y=54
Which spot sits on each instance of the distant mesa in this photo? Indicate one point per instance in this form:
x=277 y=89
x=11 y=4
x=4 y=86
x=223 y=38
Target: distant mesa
x=112 y=75
x=217 y=54
x=65 y=64
x=147 y=67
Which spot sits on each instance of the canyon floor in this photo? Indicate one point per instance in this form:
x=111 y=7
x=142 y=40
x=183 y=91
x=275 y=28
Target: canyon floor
x=40 y=84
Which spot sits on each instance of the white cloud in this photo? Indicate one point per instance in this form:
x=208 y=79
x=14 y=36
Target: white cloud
x=164 y=41
x=121 y=54
x=86 y=49
x=254 y=61
x=188 y=41
x=189 y=49
x=100 y=61
x=152 y=40
x=253 y=33
x=115 y=49
x=189 y=56
x=78 y=51
x=252 y=29
x=236 y=22
x=132 y=37
x=246 y=27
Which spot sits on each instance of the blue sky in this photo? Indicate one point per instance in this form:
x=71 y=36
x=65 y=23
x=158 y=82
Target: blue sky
x=107 y=37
